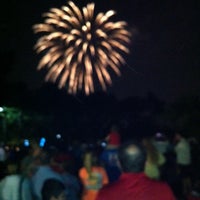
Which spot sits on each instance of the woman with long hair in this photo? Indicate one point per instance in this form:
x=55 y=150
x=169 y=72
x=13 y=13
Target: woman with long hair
x=154 y=159
x=92 y=175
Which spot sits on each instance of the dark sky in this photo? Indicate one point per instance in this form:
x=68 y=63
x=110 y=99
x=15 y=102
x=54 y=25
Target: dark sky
x=164 y=56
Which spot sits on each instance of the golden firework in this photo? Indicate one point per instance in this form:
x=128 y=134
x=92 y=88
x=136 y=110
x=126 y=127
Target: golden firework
x=78 y=44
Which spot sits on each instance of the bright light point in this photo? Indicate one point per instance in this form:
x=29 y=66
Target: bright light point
x=103 y=144
x=26 y=143
x=58 y=136
x=158 y=134
x=84 y=28
x=42 y=142
x=1 y=109
x=17 y=149
x=88 y=24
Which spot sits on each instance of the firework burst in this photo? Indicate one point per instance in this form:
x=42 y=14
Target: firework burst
x=78 y=44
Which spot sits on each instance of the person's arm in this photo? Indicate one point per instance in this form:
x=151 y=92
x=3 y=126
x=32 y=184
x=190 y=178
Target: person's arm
x=161 y=159
x=26 y=192
x=105 y=177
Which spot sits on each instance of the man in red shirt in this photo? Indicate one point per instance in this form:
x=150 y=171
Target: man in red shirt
x=133 y=184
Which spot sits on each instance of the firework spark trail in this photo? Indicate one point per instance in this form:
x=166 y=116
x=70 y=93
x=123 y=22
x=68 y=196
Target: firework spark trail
x=77 y=44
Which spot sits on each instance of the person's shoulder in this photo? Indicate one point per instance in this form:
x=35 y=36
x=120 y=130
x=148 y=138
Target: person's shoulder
x=110 y=191
x=111 y=186
x=13 y=177
x=159 y=188
x=11 y=180
x=82 y=169
x=160 y=185
x=82 y=172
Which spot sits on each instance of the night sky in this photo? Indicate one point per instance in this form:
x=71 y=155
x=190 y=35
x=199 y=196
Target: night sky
x=164 y=56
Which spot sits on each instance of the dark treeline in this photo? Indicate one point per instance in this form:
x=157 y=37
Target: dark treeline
x=52 y=111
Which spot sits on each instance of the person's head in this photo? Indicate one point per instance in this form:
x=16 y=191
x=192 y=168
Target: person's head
x=35 y=148
x=152 y=152
x=114 y=128
x=90 y=159
x=179 y=135
x=53 y=189
x=44 y=158
x=113 y=139
x=28 y=166
x=12 y=167
x=132 y=157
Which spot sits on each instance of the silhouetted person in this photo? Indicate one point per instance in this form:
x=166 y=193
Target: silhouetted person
x=109 y=154
x=53 y=189
x=113 y=138
x=155 y=159
x=133 y=183
x=43 y=172
x=2 y=153
x=183 y=160
x=92 y=175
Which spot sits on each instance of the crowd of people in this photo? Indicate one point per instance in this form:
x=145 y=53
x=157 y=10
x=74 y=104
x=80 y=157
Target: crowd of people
x=143 y=169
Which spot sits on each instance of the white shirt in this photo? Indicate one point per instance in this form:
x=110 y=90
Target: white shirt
x=182 y=150
x=9 y=188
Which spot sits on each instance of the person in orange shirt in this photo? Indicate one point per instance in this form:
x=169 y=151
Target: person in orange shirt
x=92 y=175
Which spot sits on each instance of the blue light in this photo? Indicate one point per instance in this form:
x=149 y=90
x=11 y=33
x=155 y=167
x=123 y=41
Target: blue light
x=42 y=142
x=26 y=143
